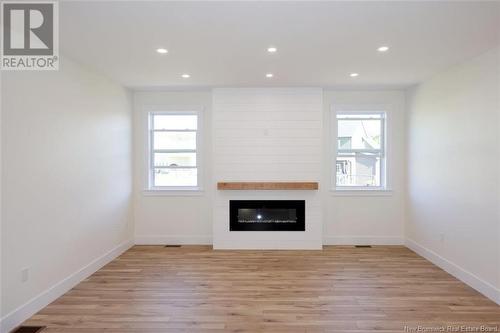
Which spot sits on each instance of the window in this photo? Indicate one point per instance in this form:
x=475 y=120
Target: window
x=173 y=158
x=360 y=160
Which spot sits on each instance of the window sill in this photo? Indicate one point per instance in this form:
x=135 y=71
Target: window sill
x=362 y=192
x=177 y=192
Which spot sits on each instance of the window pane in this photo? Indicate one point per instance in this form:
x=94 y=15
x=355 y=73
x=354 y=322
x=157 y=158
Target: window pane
x=179 y=122
x=175 y=159
x=175 y=140
x=361 y=134
x=175 y=177
x=358 y=170
x=345 y=142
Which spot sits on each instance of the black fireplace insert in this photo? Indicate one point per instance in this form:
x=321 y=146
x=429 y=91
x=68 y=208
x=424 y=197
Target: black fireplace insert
x=267 y=215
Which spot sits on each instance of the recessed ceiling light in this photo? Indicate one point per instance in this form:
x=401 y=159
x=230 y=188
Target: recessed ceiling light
x=269 y=75
x=162 y=51
x=186 y=76
x=272 y=49
x=353 y=74
x=383 y=49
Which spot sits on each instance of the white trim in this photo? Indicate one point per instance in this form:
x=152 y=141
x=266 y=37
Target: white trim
x=173 y=239
x=28 y=309
x=359 y=109
x=180 y=192
x=361 y=192
x=362 y=240
x=172 y=108
x=460 y=273
x=197 y=110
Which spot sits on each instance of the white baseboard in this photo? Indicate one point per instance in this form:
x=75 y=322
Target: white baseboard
x=25 y=311
x=463 y=275
x=173 y=240
x=207 y=240
x=362 y=240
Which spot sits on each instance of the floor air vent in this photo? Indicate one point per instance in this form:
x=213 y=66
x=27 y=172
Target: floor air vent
x=29 y=329
x=172 y=245
x=363 y=246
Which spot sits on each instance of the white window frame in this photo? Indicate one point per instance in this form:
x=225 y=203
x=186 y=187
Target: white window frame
x=151 y=151
x=382 y=152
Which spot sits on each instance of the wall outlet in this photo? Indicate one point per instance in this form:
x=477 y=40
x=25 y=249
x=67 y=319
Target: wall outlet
x=25 y=274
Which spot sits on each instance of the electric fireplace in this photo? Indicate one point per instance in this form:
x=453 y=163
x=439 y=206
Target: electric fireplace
x=267 y=215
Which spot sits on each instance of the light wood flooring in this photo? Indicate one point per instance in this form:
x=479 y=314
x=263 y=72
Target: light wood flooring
x=195 y=289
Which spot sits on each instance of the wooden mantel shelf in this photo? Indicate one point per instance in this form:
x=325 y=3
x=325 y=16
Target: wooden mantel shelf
x=267 y=186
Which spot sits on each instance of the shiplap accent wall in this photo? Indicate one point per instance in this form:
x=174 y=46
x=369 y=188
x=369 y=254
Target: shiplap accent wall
x=267 y=134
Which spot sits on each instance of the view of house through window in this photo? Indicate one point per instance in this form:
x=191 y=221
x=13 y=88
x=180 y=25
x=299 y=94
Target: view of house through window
x=360 y=150
x=173 y=153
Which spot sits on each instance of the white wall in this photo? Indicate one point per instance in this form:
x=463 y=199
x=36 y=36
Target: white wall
x=453 y=160
x=178 y=218
x=375 y=217
x=188 y=219
x=66 y=181
x=1 y=210
x=267 y=134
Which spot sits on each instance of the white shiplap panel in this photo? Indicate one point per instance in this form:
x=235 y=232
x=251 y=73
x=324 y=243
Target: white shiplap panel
x=270 y=176
x=271 y=134
x=267 y=114
x=268 y=124
x=288 y=152
x=262 y=140
x=267 y=97
x=262 y=168
x=258 y=145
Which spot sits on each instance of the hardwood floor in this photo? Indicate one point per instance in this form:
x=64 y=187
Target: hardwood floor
x=195 y=289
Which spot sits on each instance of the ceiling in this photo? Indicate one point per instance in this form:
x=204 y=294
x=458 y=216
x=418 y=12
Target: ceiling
x=319 y=43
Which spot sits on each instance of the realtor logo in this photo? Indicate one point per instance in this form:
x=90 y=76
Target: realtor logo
x=29 y=36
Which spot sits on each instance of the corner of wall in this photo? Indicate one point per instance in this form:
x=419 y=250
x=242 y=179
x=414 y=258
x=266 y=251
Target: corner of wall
x=28 y=309
x=435 y=216
x=460 y=273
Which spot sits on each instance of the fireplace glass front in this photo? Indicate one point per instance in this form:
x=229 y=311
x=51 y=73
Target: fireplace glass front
x=267 y=215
